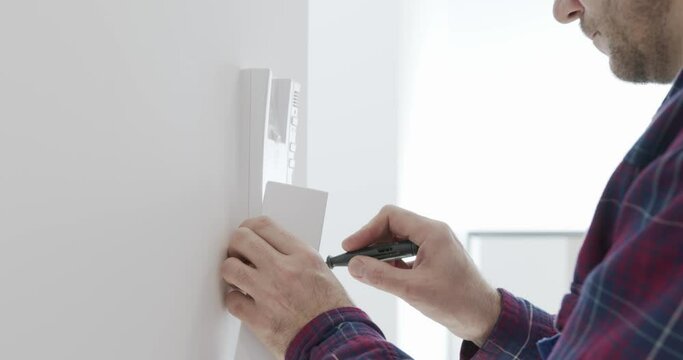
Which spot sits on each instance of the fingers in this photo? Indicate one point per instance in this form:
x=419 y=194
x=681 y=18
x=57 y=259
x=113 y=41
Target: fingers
x=379 y=274
x=278 y=238
x=403 y=265
x=391 y=222
x=246 y=244
x=239 y=274
x=241 y=306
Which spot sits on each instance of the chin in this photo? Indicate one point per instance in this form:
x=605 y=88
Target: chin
x=633 y=74
x=634 y=66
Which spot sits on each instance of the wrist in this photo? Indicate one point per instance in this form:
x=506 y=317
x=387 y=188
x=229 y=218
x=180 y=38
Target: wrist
x=314 y=332
x=490 y=314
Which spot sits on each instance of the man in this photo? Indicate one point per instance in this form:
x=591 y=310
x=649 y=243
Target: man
x=626 y=300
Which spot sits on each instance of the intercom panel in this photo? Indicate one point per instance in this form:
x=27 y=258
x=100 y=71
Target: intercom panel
x=271 y=117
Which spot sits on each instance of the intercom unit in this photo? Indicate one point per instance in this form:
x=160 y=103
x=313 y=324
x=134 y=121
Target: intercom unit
x=271 y=116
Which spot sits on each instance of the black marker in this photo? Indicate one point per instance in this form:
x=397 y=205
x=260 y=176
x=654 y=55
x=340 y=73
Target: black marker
x=384 y=252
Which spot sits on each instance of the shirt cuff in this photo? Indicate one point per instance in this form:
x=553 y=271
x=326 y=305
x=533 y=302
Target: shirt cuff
x=519 y=326
x=318 y=329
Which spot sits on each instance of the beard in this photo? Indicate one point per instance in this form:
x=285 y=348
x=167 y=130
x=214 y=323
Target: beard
x=630 y=63
x=639 y=45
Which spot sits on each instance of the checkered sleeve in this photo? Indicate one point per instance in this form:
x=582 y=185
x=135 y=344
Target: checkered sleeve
x=519 y=327
x=631 y=305
x=344 y=333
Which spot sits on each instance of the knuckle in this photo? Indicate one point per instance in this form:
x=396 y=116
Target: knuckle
x=311 y=258
x=225 y=267
x=424 y=227
x=228 y=267
x=256 y=222
x=234 y=269
x=389 y=208
x=262 y=221
x=442 y=226
x=235 y=306
x=447 y=233
x=240 y=235
x=428 y=226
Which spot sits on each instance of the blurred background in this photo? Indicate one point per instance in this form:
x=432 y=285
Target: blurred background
x=487 y=115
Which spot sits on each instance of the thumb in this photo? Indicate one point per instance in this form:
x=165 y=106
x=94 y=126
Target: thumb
x=378 y=274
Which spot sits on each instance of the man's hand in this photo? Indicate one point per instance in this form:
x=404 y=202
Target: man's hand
x=282 y=283
x=443 y=282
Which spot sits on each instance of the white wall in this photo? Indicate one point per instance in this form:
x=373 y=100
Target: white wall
x=353 y=130
x=119 y=175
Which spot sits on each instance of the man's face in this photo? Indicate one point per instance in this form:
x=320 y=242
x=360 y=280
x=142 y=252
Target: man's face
x=641 y=37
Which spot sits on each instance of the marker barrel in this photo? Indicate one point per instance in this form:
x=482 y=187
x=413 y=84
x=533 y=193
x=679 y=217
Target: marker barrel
x=383 y=252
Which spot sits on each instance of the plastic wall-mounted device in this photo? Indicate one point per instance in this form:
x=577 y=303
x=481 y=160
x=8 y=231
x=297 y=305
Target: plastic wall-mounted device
x=271 y=117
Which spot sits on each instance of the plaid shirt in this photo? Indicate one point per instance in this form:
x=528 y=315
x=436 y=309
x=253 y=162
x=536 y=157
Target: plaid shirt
x=626 y=299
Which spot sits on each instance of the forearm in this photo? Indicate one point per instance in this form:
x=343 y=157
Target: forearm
x=345 y=333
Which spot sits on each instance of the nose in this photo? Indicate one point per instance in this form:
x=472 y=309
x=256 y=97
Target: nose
x=566 y=11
